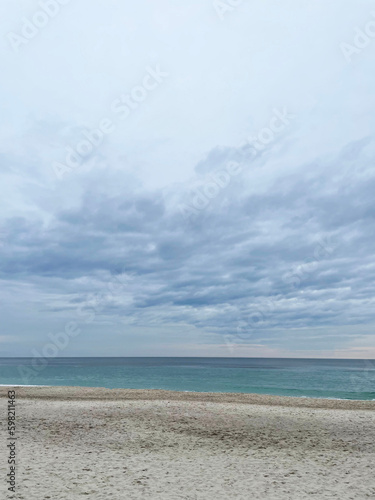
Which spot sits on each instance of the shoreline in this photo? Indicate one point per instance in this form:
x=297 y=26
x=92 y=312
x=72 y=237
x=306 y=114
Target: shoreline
x=65 y=393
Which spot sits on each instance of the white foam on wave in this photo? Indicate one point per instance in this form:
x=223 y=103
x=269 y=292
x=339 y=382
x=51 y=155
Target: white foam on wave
x=23 y=385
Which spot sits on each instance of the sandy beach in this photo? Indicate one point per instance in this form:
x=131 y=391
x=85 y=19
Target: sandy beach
x=101 y=443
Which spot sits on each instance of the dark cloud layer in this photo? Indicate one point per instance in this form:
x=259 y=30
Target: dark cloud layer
x=293 y=255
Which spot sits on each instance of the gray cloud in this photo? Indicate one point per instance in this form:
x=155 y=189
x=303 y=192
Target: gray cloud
x=297 y=256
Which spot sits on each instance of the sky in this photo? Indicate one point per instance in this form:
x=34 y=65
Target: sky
x=187 y=179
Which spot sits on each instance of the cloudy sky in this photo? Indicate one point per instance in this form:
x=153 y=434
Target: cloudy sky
x=188 y=178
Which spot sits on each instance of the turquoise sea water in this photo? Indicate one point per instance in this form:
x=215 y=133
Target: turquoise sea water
x=321 y=378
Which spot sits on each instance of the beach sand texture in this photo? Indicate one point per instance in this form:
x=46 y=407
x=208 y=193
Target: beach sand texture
x=124 y=444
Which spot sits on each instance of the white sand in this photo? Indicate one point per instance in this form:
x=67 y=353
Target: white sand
x=100 y=444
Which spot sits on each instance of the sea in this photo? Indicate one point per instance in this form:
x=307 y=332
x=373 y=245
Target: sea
x=318 y=378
